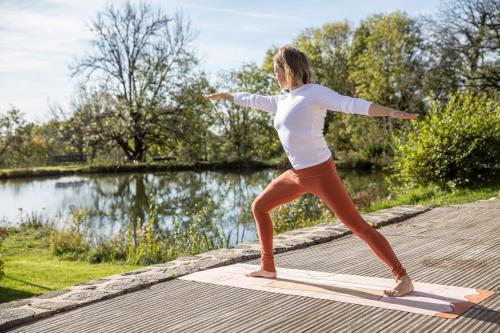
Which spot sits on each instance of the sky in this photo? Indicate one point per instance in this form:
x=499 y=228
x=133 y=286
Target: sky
x=40 y=39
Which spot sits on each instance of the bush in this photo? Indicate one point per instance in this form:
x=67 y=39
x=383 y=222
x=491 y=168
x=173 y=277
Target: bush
x=455 y=145
x=107 y=251
x=68 y=245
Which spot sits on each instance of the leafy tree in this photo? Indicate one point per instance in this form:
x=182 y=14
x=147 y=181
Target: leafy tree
x=21 y=143
x=71 y=127
x=11 y=124
x=247 y=133
x=33 y=149
x=385 y=63
x=386 y=67
x=188 y=134
x=380 y=61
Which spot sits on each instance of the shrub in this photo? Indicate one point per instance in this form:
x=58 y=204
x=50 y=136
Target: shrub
x=454 y=145
x=145 y=247
x=71 y=244
x=108 y=250
x=68 y=245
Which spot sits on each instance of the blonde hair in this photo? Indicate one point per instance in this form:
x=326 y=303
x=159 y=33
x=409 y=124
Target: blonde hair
x=295 y=64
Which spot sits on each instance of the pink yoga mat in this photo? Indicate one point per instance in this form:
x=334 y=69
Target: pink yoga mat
x=427 y=298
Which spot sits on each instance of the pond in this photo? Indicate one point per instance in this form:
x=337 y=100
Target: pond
x=112 y=201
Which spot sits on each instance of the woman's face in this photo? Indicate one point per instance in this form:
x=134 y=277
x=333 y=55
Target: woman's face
x=279 y=74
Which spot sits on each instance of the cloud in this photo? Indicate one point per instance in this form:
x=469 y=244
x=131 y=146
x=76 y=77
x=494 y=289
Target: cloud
x=38 y=41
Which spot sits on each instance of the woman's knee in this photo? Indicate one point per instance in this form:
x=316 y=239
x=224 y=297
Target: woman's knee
x=259 y=205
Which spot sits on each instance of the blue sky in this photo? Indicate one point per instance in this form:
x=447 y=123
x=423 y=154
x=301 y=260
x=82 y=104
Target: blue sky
x=39 y=39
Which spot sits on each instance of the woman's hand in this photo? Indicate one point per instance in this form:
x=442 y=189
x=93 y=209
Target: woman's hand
x=219 y=95
x=402 y=115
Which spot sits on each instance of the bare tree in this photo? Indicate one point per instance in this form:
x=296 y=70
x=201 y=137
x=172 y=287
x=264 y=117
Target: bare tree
x=139 y=57
x=466 y=45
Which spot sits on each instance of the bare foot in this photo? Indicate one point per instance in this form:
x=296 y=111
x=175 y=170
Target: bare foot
x=403 y=287
x=262 y=273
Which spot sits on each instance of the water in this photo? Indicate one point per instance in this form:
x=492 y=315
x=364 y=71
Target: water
x=113 y=201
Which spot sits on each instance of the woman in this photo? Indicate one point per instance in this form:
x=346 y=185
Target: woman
x=299 y=118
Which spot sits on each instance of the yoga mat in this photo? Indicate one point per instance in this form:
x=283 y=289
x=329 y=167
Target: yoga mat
x=427 y=298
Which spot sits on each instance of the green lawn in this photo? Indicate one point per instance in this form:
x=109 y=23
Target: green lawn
x=31 y=270
x=432 y=195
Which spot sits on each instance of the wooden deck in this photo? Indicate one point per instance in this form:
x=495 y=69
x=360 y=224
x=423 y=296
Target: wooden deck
x=456 y=245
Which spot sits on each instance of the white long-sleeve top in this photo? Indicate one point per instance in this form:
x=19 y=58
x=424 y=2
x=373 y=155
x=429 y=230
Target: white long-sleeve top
x=299 y=117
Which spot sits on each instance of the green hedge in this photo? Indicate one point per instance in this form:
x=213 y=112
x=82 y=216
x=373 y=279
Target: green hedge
x=456 y=144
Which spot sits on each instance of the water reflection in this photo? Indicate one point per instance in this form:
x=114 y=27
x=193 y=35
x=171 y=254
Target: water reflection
x=115 y=201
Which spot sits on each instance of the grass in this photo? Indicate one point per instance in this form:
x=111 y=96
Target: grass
x=30 y=269
x=433 y=195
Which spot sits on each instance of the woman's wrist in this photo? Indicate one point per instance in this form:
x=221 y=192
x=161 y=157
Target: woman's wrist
x=376 y=110
x=393 y=113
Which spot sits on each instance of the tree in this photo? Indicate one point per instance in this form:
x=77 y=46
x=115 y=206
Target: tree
x=385 y=62
x=69 y=128
x=139 y=61
x=188 y=133
x=464 y=44
x=247 y=133
x=386 y=67
x=11 y=125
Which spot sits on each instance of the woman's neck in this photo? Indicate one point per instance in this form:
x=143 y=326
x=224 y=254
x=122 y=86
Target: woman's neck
x=296 y=86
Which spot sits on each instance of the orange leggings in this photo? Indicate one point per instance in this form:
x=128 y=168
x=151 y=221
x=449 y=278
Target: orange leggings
x=322 y=181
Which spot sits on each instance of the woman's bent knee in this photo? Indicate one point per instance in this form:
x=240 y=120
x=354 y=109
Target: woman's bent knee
x=258 y=206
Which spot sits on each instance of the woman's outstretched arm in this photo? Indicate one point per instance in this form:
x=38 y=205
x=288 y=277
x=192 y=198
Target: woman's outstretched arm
x=376 y=110
x=332 y=100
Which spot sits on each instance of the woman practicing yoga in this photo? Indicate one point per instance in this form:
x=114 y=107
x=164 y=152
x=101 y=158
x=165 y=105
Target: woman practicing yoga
x=298 y=118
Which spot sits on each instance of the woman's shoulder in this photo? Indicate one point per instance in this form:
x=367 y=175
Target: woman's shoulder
x=318 y=86
x=320 y=89
x=315 y=87
x=311 y=86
